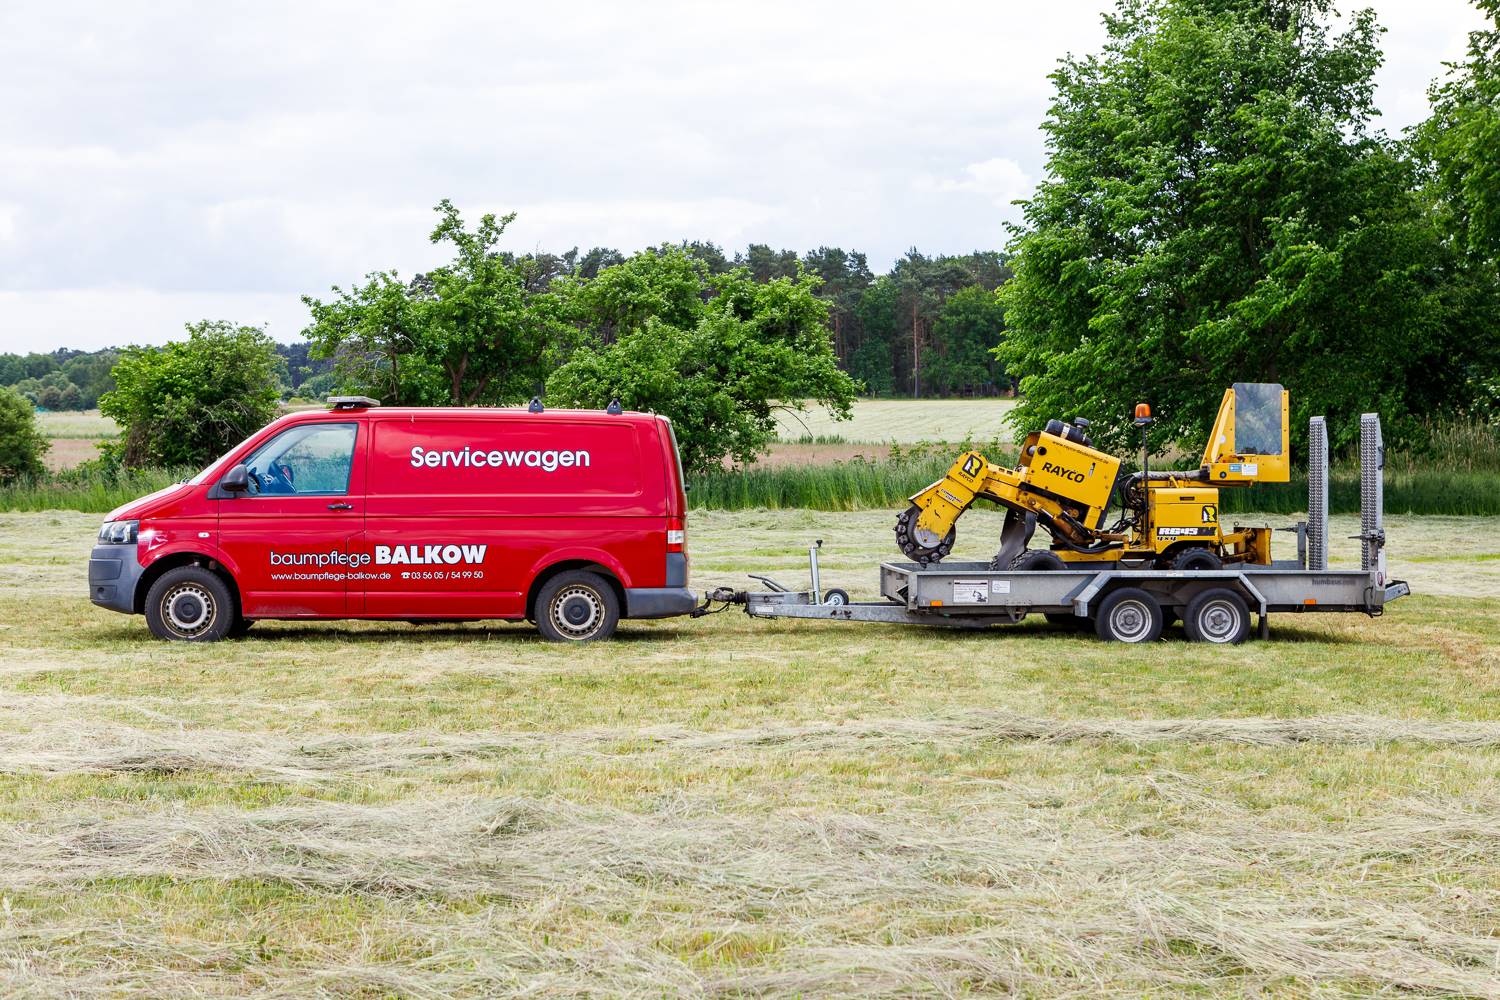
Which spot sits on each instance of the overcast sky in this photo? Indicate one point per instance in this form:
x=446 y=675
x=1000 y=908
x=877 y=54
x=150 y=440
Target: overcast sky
x=166 y=162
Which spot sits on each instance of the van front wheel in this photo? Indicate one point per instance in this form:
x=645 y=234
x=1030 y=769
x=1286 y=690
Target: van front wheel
x=577 y=607
x=190 y=604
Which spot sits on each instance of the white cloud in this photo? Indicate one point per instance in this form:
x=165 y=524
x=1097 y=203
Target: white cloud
x=999 y=180
x=172 y=161
x=91 y=318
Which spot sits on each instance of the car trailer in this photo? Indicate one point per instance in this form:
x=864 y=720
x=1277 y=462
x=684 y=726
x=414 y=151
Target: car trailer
x=1125 y=603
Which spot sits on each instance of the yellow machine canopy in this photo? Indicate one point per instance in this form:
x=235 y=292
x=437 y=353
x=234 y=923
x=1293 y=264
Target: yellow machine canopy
x=1250 y=443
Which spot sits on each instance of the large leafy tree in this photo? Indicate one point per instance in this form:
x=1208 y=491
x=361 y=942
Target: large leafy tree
x=187 y=402
x=713 y=352
x=479 y=329
x=1461 y=141
x=1459 y=146
x=21 y=442
x=961 y=357
x=1218 y=209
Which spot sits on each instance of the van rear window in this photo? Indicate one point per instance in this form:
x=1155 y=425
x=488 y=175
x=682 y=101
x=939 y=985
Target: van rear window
x=497 y=457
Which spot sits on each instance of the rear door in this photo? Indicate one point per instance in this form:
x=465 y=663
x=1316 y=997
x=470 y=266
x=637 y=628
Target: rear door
x=291 y=537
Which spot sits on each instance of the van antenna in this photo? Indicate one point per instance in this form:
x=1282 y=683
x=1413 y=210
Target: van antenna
x=536 y=405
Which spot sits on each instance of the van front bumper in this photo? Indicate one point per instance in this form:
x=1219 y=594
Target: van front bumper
x=659 y=602
x=114 y=572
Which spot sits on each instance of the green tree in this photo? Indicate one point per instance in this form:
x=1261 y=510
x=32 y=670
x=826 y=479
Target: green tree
x=1461 y=141
x=873 y=359
x=715 y=358
x=1217 y=210
x=12 y=369
x=90 y=372
x=845 y=277
x=21 y=442
x=1459 y=146
x=189 y=401
x=667 y=284
x=469 y=332
x=965 y=334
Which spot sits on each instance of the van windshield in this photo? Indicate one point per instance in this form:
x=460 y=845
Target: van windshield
x=202 y=476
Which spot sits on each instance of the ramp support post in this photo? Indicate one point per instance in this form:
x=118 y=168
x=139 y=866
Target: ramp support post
x=1317 y=495
x=1372 y=496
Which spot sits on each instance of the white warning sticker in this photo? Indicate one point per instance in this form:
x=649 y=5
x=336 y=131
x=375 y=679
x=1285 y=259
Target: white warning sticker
x=971 y=592
x=999 y=586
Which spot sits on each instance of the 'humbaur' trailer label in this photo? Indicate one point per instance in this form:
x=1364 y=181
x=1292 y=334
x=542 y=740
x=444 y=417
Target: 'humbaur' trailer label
x=531 y=458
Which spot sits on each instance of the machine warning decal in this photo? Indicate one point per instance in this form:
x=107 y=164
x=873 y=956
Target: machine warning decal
x=1183 y=532
x=971 y=591
x=999 y=586
x=1245 y=468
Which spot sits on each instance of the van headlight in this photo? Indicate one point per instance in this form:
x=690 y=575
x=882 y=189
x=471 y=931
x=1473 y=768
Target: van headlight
x=118 y=532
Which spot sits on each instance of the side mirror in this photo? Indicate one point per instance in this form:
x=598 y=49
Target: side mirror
x=236 y=480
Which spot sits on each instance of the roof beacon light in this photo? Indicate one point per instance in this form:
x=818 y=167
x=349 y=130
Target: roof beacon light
x=1143 y=414
x=351 y=402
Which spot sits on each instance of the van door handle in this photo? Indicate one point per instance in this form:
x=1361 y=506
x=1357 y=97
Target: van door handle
x=341 y=506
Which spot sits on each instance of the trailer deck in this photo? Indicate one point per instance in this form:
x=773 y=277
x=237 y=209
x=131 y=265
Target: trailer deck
x=972 y=595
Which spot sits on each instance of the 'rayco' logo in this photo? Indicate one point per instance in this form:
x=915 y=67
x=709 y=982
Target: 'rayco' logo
x=428 y=555
x=1058 y=470
x=547 y=461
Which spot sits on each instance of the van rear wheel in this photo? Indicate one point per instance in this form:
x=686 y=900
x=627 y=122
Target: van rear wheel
x=577 y=607
x=190 y=604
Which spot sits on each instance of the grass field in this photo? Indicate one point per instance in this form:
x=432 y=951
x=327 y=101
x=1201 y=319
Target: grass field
x=75 y=437
x=903 y=421
x=727 y=807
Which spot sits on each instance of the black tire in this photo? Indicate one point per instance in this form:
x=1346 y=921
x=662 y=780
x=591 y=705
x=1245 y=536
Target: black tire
x=239 y=628
x=1129 y=615
x=906 y=541
x=190 y=604
x=1034 y=559
x=836 y=595
x=577 y=606
x=1218 y=615
x=1196 y=558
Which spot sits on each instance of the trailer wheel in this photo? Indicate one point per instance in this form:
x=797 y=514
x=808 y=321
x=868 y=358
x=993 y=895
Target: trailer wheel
x=190 y=604
x=1129 y=615
x=1218 y=615
x=577 y=607
x=836 y=595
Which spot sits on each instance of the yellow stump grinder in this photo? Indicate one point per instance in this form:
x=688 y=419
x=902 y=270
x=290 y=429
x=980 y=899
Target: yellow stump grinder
x=1168 y=520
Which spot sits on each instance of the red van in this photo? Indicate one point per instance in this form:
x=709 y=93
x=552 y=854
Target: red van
x=571 y=519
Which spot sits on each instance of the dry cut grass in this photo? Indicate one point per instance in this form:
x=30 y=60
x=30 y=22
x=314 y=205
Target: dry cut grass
x=739 y=808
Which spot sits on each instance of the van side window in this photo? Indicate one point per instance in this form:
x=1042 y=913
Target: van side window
x=313 y=459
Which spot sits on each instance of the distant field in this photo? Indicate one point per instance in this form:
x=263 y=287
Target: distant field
x=86 y=424
x=904 y=421
x=75 y=436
